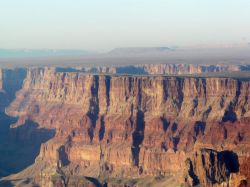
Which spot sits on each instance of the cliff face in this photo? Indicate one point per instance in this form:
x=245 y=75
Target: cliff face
x=18 y=146
x=1 y=80
x=10 y=81
x=156 y=69
x=137 y=126
x=210 y=167
x=189 y=68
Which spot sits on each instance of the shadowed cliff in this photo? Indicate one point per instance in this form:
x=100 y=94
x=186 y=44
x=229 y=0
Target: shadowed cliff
x=18 y=146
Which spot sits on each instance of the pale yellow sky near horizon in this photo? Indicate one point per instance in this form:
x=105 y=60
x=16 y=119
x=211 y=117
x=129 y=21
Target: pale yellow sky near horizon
x=103 y=25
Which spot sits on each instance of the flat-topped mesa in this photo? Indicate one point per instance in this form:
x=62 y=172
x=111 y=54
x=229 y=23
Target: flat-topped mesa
x=190 y=68
x=159 y=69
x=133 y=126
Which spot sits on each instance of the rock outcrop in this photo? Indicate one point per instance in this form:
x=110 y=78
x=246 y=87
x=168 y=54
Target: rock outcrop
x=190 y=68
x=158 y=69
x=10 y=81
x=1 y=80
x=111 y=126
x=210 y=167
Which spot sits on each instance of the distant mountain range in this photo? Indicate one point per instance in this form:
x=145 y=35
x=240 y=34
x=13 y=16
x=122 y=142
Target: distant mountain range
x=131 y=51
x=22 y=53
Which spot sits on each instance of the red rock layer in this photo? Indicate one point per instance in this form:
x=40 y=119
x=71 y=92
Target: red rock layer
x=154 y=69
x=188 y=68
x=134 y=126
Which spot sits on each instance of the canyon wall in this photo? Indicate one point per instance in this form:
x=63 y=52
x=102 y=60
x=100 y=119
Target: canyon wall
x=10 y=81
x=15 y=154
x=154 y=69
x=111 y=126
x=1 y=80
x=190 y=68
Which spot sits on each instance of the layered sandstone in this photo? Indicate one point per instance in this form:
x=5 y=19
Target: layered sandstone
x=208 y=167
x=169 y=69
x=136 y=126
x=189 y=68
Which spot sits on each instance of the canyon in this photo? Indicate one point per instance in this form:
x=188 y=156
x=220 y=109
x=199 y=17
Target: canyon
x=101 y=129
x=159 y=69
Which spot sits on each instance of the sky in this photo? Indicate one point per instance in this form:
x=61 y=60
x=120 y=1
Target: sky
x=106 y=24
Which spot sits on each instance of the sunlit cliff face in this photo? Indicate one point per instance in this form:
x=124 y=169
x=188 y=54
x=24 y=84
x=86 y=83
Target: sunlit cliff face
x=125 y=126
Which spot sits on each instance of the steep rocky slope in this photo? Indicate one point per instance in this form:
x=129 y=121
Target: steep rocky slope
x=18 y=146
x=1 y=80
x=195 y=130
x=10 y=81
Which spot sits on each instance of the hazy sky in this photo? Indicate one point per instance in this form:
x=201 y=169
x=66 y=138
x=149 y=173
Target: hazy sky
x=105 y=24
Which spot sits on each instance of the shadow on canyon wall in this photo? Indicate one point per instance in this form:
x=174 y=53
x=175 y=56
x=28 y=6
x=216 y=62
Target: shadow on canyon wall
x=12 y=81
x=216 y=167
x=6 y=183
x=119 y=70
x=231 y=160
x=138 y=136
x=131 y=70
x=18 y=146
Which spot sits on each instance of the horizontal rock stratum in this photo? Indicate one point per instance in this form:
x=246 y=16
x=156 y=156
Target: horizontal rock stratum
x=122 y=126
x=160 y=69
